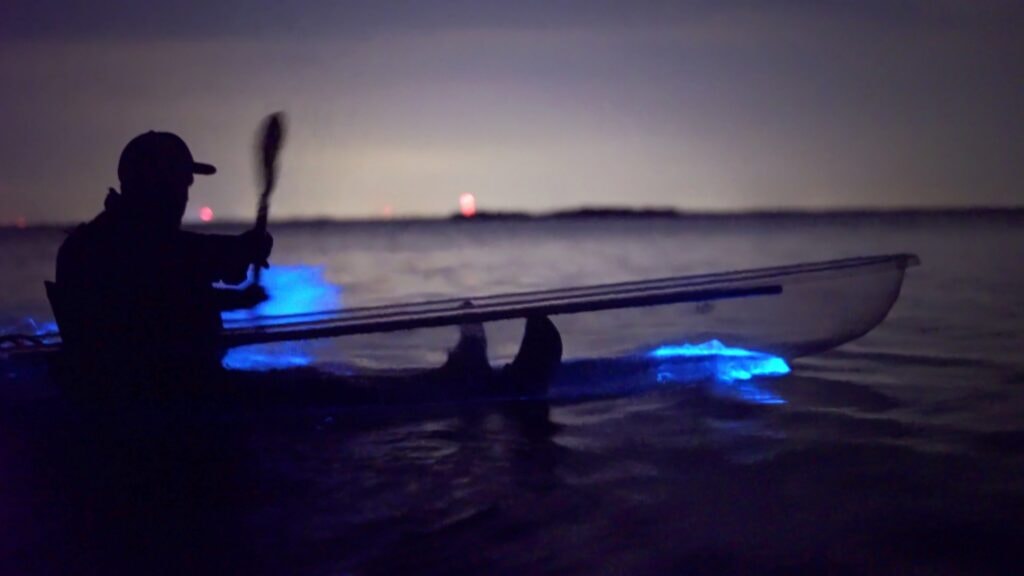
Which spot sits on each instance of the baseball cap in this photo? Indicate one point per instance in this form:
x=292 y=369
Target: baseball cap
x=156 y=156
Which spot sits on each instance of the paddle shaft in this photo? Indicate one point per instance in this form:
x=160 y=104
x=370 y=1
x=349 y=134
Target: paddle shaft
x=269 y=147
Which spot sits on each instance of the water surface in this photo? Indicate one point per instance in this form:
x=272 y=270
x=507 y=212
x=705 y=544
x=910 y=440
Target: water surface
x=897 y=453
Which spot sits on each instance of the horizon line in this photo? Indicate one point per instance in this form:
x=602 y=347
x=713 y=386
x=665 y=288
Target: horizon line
x=593 y=212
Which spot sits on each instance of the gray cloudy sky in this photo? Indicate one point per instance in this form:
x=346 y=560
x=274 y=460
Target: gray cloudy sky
x=530 y=105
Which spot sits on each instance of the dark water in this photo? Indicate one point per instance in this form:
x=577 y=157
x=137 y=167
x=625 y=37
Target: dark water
x=902 y=452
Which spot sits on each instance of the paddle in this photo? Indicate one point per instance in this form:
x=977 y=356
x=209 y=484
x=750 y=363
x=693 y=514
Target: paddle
x=268 y=148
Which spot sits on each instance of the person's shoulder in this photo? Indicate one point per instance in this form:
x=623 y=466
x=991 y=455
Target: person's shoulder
x=86 y=237
x=75 y=236
x=84 y=231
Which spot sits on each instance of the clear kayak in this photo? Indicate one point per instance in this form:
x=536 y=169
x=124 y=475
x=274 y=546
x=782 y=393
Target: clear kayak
x=787 y=311
x=616 y=338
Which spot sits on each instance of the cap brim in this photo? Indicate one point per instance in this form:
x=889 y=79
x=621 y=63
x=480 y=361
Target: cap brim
x=205 y=169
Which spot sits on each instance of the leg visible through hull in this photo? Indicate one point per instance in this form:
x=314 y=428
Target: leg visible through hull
x=529 y=374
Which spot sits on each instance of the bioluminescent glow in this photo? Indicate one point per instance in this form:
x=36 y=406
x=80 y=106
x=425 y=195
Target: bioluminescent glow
x=31 y=327
x=295 y=289
x=45 y=328
x=291 y=290
x=734 y=368
x=27 y=332
x=733 y=363
x=262 y=357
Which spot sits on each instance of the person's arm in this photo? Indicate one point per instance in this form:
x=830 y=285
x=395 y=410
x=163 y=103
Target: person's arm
x=226 y=258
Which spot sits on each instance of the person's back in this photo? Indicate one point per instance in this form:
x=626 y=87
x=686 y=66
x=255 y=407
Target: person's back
x=136 y=292
x=132 y=288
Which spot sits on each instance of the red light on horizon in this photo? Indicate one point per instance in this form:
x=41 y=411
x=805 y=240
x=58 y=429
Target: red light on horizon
x=388 y=211
x=21 y=222
x=467 y=205
x=206 y=214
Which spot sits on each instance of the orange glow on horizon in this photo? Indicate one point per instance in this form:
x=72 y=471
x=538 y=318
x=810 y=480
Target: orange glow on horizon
x=21 y=222
x=467 y=205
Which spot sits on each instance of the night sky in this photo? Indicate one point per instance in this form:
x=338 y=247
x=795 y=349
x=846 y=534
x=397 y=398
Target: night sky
x=528 y=105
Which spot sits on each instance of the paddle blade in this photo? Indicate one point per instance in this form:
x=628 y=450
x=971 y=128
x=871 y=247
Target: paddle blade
x=272 y=139
x=270 y=142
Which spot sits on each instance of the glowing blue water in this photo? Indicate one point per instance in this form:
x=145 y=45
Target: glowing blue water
x=291 y=290
x=733 y=369
x=31 y=327
x=263 y=357
x=295 y=289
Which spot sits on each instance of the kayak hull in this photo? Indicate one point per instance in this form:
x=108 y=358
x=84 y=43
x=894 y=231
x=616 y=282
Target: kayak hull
x=786 y=311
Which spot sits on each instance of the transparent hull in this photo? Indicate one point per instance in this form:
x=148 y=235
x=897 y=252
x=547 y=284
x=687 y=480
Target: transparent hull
x=791 y=311
x=785 y=311
x=820 y=307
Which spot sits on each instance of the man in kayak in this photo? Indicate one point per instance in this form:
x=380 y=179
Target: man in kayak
x=132 y=287
x=134 y=294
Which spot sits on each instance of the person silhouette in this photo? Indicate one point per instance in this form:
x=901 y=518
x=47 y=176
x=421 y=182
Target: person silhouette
x=132 y=288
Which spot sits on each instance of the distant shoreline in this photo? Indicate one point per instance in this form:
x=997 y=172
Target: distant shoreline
x=598 y=213
x=672 y=213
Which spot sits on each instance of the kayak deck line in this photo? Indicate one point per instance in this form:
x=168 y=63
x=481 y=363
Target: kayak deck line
x=451 y=316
